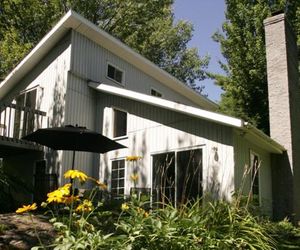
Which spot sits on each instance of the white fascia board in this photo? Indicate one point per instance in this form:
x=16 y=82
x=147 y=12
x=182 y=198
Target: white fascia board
x=259 y=138
x=34 y=56
x=72 y=20
x=120 y=49
x=177 y=107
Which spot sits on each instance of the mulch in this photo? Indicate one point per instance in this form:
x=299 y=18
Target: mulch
x=18 y=231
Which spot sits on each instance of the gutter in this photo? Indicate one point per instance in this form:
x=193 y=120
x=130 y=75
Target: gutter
x=170 y=105
x=250 y=132
x=263 y=138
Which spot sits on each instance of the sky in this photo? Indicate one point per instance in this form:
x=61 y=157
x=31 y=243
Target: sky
x=207 y=17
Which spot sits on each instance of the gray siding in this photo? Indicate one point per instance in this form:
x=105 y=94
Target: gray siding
x=81 y=110
x=154 y=130
x=89 y=61
x=242 y=152
x=50 y=78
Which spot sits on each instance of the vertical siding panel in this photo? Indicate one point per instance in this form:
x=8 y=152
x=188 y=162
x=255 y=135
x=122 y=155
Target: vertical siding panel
x=90 y=60
x=156 y=130
x=242 y=158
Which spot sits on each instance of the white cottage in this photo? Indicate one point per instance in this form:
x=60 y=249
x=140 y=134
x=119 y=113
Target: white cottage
x=79 y=74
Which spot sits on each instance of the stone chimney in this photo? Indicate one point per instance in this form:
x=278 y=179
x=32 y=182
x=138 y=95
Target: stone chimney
x=284 y=112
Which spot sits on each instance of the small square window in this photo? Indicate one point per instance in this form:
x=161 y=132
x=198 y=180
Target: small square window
x=120 y=123
x=155 y=93
x=115 y=74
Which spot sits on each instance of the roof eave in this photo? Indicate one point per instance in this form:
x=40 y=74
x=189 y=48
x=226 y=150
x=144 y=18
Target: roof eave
x=72 y=20
x=258 y=137
x=170 y=105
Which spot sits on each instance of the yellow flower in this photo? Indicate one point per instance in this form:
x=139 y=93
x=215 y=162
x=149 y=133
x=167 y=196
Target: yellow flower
x=70 y=199
x=27 y=208
x=134 y=177
x=86 y=206
x=76 y=174
x=102 y=185
x=140 y=210
x=59 y=194
x=146 y=214
x=124 y=207
x=133 y=158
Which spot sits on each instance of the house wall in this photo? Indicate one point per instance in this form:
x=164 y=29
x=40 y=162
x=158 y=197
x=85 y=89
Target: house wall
x=153 y=130
x=242 y=181
x=89 y=61
x=80 y=109
x=50 y=79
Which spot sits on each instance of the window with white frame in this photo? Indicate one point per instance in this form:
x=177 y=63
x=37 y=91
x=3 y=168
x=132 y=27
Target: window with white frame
x=118 y=178
x=177 y=176
x=120 y=123
x=255 y=165
x=115 y=74
x=154 y=92
x=24 y=121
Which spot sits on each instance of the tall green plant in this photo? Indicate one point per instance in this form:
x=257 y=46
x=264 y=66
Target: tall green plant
x=243 y=47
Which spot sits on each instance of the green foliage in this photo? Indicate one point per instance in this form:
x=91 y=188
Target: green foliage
x=285 y=233
x=217 y=225
x=243 y=46
x=146 y=26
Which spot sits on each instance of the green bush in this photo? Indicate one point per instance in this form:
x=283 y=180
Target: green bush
x=83 y=224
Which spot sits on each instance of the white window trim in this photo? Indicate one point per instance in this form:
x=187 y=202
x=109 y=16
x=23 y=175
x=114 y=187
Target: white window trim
x=118 y=68
x=253 y=153
x=113 y=108
x=157 y=92
x=125 y=173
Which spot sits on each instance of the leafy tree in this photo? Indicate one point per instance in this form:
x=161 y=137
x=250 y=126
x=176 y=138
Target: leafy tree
x=145 y=25
x=243 y=46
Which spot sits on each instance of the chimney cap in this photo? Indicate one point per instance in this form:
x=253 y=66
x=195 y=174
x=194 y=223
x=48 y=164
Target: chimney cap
x=277 y=12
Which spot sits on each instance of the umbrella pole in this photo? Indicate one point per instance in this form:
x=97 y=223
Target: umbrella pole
x=73 y=161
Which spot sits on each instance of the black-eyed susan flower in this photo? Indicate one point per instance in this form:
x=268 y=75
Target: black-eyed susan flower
x=133 y=158
x=102 y=185
x=72 y=174
x=70 y=199
x=85 y=206
x=27 y=208
x=124 y=207
x=59 y=194
x=134 y=177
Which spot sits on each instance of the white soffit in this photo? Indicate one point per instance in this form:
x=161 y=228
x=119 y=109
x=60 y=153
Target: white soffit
x=159 y=102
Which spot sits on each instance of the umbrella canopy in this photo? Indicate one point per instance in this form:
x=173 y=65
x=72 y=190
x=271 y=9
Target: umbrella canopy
x=73 y=138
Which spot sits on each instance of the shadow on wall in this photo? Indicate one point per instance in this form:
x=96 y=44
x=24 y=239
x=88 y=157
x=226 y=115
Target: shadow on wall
x=56 y=120
x=282 y=186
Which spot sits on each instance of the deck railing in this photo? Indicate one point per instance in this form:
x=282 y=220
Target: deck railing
x=16 y=121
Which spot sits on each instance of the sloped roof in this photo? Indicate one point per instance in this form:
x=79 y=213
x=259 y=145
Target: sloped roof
x=72 y=20
x=250 y=132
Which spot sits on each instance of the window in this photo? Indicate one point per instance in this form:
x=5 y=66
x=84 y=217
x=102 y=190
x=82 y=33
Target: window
x=118 y=178
x=163 y=181
x=189 y=175
x=24 y=121
x=255 y=164
x=155 y=93
x=115 y=74
x=177 y=176
x=120 y=123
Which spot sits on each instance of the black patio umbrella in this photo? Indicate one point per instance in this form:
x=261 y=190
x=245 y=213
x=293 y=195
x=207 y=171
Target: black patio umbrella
x=73 y=138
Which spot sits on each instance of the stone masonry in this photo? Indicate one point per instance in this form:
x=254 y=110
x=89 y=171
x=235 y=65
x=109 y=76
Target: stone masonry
x=284 y=111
